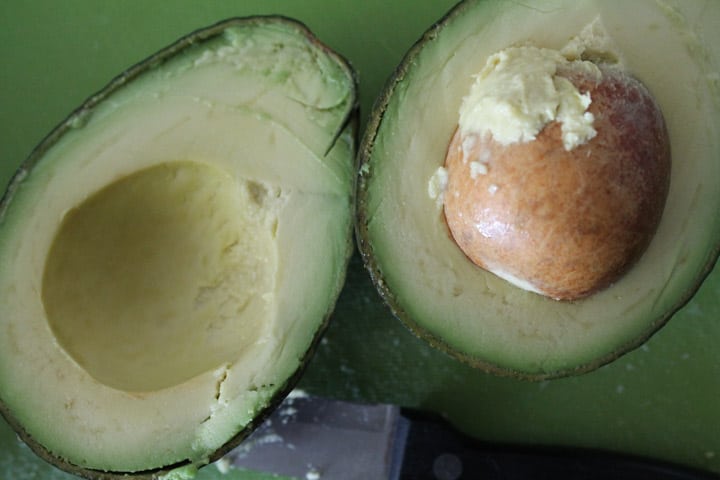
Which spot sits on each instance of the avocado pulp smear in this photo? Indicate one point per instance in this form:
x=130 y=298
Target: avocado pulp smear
x=171 y=253
x=474 y=315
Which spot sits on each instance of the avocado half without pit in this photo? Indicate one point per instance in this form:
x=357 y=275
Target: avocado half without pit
x=538 y=185
x=172 y=251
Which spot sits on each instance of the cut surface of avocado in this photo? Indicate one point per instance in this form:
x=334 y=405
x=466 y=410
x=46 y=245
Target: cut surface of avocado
x=134 y=231
x=477 y=316
x=171 y=252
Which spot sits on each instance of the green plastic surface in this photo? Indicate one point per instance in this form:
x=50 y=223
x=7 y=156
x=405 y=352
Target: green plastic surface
x=662 y=400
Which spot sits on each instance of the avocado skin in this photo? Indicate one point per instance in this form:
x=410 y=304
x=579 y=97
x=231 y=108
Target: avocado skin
x=366 y=247
x=350 y=124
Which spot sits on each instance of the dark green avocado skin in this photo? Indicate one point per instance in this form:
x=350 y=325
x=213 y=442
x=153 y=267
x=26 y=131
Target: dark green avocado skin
x=192 y=39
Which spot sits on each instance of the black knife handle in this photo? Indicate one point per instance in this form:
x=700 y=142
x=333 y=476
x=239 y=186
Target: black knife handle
x=435 y=451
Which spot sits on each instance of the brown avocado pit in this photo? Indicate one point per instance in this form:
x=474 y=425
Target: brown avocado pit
x=564 y=222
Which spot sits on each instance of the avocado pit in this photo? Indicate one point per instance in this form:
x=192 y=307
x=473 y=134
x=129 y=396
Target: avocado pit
x=555 y=212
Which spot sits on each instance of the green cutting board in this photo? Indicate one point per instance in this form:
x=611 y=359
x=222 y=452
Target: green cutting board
x=662 y=400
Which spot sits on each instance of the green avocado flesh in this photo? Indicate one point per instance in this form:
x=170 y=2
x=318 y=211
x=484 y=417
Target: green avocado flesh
x=171 y=253
x=477 y=317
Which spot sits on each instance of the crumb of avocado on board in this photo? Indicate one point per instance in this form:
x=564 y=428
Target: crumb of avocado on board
x=313 y=474
x=187 y=472
x=223 y=465
x=556 y=176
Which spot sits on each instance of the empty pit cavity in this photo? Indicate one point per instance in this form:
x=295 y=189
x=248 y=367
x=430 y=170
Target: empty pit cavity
x=162 y=275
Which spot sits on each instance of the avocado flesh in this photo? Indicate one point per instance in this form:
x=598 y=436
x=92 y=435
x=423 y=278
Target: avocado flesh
x=157 y=250
x=473 y=314
x=133 y=231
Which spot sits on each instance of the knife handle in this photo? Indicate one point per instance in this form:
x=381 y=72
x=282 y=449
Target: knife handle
x=435 y=451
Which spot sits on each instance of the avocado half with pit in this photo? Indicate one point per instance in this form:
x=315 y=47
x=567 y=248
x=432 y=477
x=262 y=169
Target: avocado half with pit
x=479 y=316
x=172 y=251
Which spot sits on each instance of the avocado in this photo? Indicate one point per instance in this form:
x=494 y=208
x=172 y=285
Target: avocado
x=477 y=316
x=172 y=251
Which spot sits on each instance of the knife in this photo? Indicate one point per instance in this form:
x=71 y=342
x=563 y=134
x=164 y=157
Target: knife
x=314 y=438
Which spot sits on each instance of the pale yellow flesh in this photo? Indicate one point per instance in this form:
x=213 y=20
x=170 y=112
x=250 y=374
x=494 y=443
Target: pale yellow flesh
x=161 y=275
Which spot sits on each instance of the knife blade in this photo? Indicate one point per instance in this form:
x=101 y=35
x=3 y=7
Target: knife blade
x=314 y=438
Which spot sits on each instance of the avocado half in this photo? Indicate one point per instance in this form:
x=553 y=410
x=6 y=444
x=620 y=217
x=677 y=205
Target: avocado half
x=172 y=251
x=672 y=47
